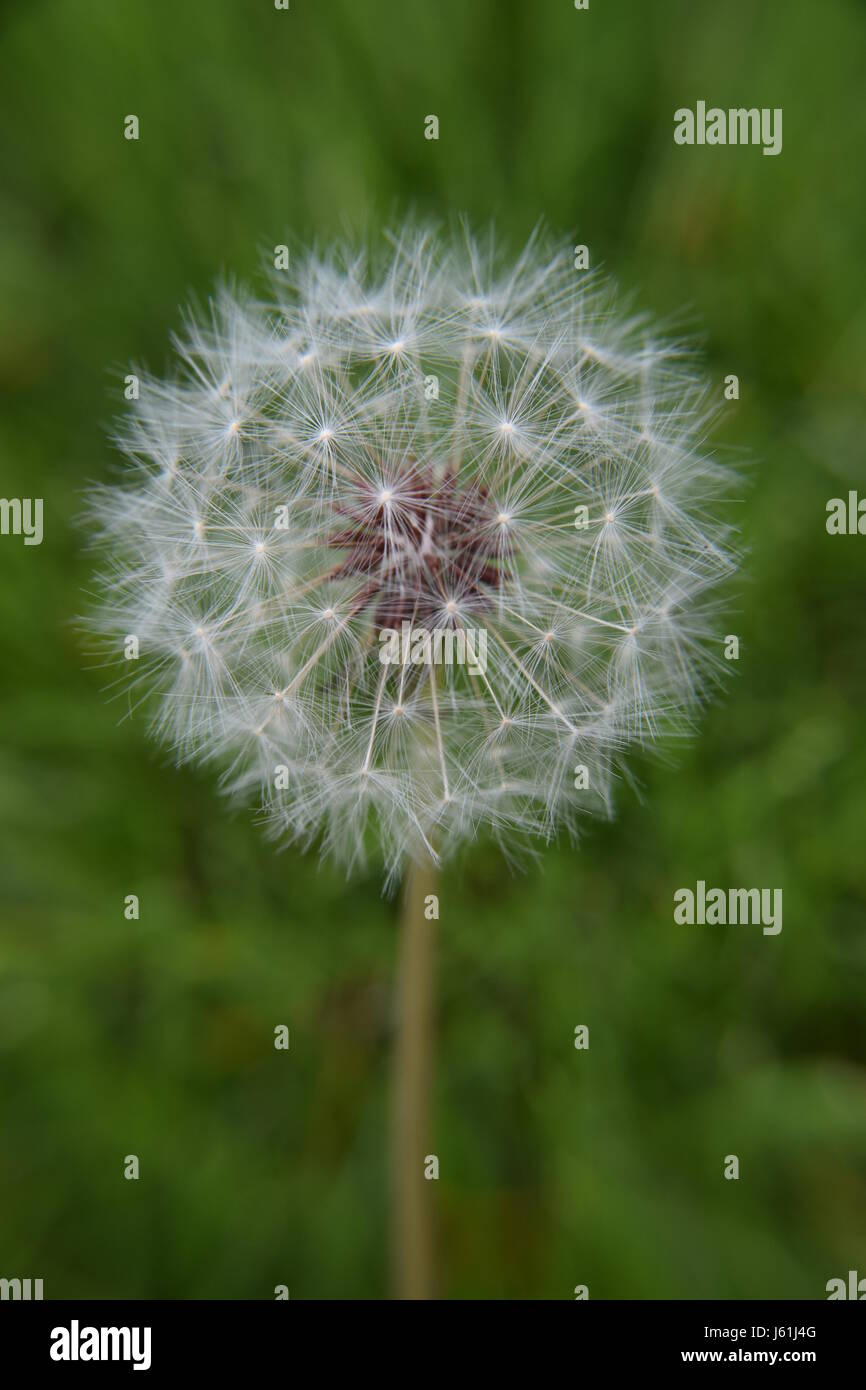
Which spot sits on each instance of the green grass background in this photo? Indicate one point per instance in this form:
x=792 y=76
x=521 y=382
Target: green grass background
x=155 y=1038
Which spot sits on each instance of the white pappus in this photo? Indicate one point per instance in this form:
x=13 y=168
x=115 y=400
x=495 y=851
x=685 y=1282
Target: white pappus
x=430 y=436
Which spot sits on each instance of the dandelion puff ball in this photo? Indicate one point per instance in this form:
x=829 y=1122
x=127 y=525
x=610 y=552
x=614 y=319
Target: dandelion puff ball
x=419 y=546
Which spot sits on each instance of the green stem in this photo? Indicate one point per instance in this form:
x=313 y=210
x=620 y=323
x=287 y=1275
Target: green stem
x=412 y=1244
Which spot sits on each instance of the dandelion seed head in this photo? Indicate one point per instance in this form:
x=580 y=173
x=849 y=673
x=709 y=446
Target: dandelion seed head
x=456 y=514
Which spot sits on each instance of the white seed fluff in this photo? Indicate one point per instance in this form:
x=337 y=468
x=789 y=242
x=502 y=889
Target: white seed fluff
x=437 y=438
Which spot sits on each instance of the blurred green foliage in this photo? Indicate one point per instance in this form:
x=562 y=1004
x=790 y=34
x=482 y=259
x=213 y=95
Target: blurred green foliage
x=557 y=1167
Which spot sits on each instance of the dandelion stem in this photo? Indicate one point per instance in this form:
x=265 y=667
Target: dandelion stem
x=412 y=1194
